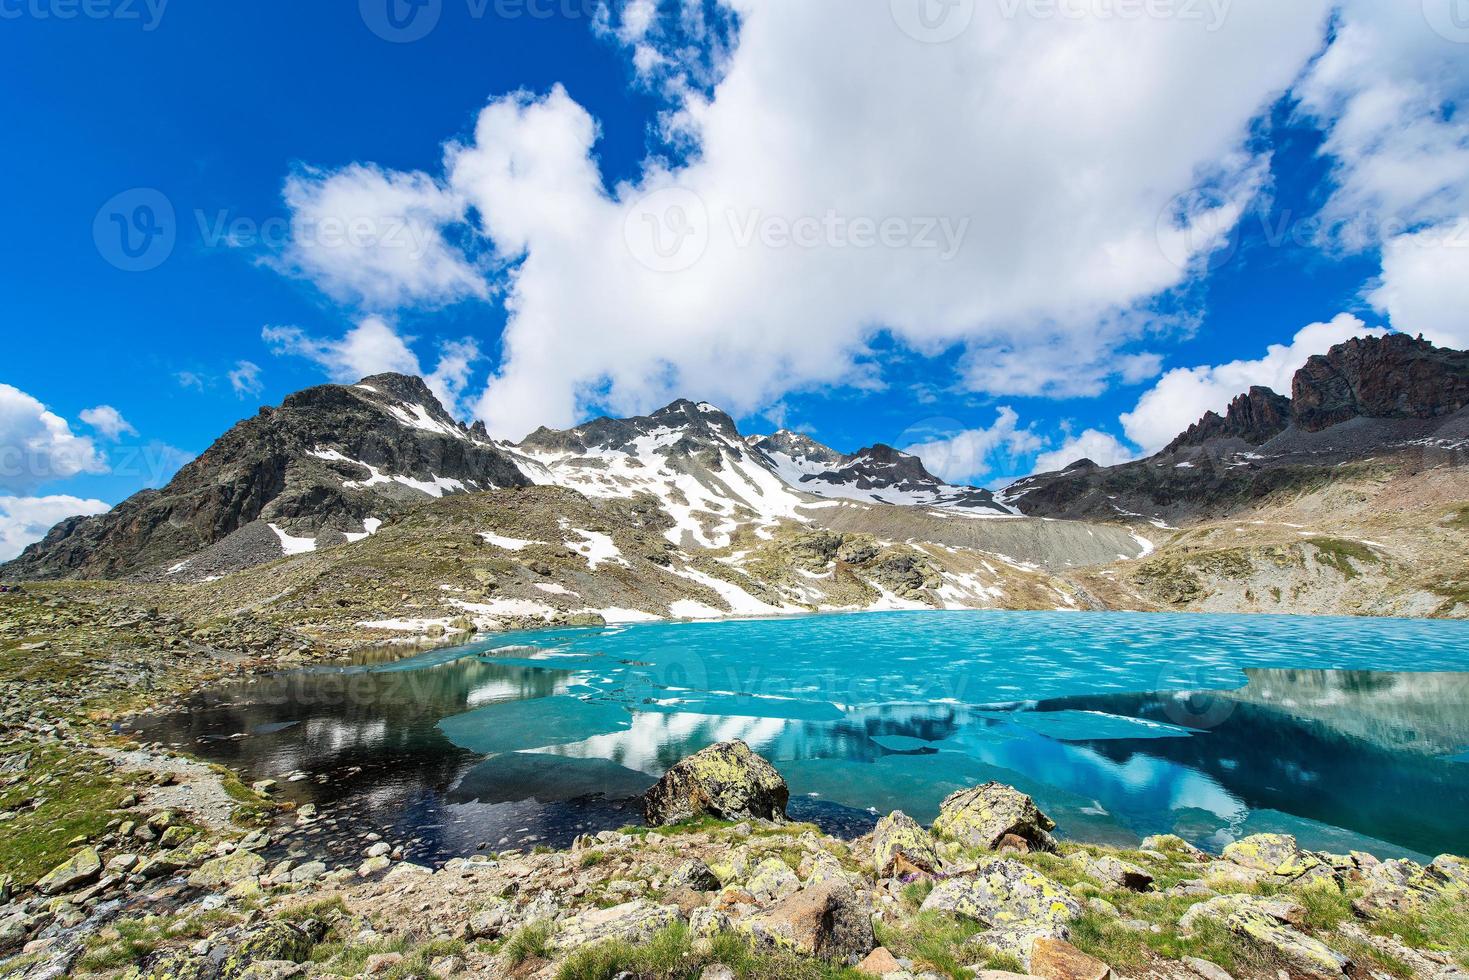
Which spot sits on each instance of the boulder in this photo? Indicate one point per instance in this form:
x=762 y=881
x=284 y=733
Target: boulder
x=1173 y=845
x=83 y=868
x=635 y=922
x=1005 y=894
x=694 y=875
x=726 y=781
x=772 y=881
x=228 y=870
x=1056 y=959
x=1266 y=924
x=830 y=921
x=1121 y=874
x=1276 y=854
x=900 y=847
x=492 y=921
x=879 y=963
x=984 y=815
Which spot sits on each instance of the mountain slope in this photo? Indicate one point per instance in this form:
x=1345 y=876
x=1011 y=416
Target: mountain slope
x=330 y=464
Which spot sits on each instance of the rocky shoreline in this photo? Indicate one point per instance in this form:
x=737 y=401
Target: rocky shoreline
x=720 y=885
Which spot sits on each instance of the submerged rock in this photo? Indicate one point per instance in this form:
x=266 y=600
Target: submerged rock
x=984 y=815
x=901 y=847
x=726 y=781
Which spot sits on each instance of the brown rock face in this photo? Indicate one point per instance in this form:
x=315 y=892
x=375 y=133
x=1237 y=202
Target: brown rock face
x=830 y=921
x=1255 y=417
x=1394 y=377
x=1059 y=960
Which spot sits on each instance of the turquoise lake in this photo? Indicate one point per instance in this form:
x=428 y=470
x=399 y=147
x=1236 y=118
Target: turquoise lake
x=1349 y=733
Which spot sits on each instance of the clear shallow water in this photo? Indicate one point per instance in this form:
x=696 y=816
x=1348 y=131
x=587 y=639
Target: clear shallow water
x=1348 y=733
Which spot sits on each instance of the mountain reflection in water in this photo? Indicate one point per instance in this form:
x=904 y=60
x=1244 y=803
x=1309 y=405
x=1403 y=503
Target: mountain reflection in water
x=462 y=750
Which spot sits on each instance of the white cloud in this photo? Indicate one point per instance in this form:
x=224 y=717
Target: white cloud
x=1060 y=201
x=38 y=446
x=25 y=520
x=108 y=422
x=966 y=456
x=1183 y=395
x=376 y=238
x=245 y=379
x=191 y=379
x=375 y=347
x=1101 y=448
x=1425 y=284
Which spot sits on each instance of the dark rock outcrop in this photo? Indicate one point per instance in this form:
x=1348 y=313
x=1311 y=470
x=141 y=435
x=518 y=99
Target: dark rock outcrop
x=327 y=460
x=727 y=781
x=1255 y=417
x=1393 y=377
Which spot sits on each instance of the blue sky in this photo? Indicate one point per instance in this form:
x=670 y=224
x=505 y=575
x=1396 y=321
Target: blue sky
x=1114 y=228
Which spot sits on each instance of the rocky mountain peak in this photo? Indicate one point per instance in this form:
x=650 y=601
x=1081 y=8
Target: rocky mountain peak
x=1392 y=377
x=1255 y=417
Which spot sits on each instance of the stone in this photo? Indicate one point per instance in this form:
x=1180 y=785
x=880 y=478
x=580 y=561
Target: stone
x=1056 y=959
x=1205 y=969
x=1264 y=923
x=830 y=921
x=879 y=963
x=1121 y=874
x=492 y=921
x=634 y=922
x=1174 y=845
x=272 y=970
x=379 y=850
x=380 y=963
x=726 y=781
x=717 y=971
x=1277 y=854
x=706 y=923
x=1006 y=894
x=694 y=875
x=265 y=787
x=310 y=871
x=175 y=836
x=373 y=866
x=82 y=868
x=900 y=847
x=772 y=881
x=122 y=863
x=984 y=815
x=228 y=870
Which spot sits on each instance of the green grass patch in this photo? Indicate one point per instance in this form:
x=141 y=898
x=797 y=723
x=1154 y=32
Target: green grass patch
x=128 y=941
x=593 y=858
x=1441 y=926
x=1340 y=554
x=78 y=795
x=941 y=942
x=531 y=942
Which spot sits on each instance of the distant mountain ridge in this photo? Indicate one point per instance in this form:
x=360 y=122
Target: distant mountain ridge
x=1368 y=398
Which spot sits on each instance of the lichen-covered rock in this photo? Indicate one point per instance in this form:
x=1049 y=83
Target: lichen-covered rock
x=1277 y=854
x=492 y=921
x=228 y=870
x=726 y=781
x=1266 y=923
x=1056 y=959
x=634 y=922
x=82 y=868
x=1173 y=845
x=1005 y=894
x=984 y=815
x=694 y=875
x=901 y=847
x=829 y=920
x=772 y=881
x=1121 y=874
x=274 y=941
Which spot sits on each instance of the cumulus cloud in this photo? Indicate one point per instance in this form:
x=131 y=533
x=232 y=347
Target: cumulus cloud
x=1425 y=284
x=108 y=422
x=374 y=346
x=1101 y=448
x=1183 y=395
x=25 y=520
x=969 y=455
x=38 y=446
x=245 y=379
x=985 y=195
x=377 y=238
